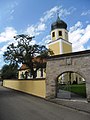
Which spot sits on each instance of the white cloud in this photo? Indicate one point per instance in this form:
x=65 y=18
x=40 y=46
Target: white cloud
x=76 y=26
x=85 y=13
x=47 y=39
x=12 y=11
x=49 y=14
x=11 y=7
x=39 y=27
x=33 y=42
x=30 y=30
x=64 y=12
x=8 y=34
x=79 y=36
x=2 y=50
x=7 y=37
x=7 y=11
x=52 y=12
x=35 y=30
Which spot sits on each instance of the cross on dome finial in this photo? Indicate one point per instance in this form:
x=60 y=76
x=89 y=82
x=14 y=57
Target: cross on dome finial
x=58 y=23
x=58 y=18
x=57 y=13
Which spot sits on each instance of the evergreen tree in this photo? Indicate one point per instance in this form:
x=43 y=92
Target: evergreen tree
x=9 y=71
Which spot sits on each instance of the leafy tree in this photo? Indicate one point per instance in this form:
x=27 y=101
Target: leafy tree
x=24 y=52
x=9 y=71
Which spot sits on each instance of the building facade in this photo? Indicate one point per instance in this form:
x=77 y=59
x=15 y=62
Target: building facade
x=59 y=45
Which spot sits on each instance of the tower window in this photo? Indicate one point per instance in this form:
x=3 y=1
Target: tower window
x=60 y=33
x=53 y=34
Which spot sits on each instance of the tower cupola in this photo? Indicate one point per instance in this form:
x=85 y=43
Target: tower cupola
x=59 y=24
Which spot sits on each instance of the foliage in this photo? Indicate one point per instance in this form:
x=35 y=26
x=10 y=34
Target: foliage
x=24 y=52
x=9 y=71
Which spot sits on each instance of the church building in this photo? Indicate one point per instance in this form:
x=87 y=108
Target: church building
x=59 y=45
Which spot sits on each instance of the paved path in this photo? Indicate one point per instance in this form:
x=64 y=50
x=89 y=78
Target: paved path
x=18 y=106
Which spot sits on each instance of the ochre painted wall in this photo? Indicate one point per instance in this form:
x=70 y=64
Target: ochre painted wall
x=55 y=48
x=34 y=87
x=53 y=38
x=66 y=47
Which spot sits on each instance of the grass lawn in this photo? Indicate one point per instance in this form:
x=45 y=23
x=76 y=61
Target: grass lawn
x=79 y=89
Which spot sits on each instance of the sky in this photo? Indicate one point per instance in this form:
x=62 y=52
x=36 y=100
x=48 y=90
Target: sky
x=34 y=18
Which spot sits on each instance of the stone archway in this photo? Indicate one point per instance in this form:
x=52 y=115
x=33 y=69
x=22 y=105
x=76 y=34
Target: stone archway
x=70 y=85
x=77 y=62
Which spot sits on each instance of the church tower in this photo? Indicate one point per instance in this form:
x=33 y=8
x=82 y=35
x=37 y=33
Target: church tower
x=59 y=37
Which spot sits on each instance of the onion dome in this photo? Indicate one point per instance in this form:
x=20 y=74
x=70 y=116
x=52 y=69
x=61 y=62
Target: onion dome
x=58 y=24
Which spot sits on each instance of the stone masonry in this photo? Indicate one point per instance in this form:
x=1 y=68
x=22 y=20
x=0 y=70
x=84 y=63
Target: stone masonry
x=78 y=62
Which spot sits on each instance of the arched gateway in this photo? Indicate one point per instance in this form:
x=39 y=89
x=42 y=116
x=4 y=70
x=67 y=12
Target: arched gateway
x=77 y=62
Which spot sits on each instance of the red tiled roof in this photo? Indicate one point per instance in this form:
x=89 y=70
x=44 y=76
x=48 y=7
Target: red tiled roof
x=23 y=67
x=36 y=59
